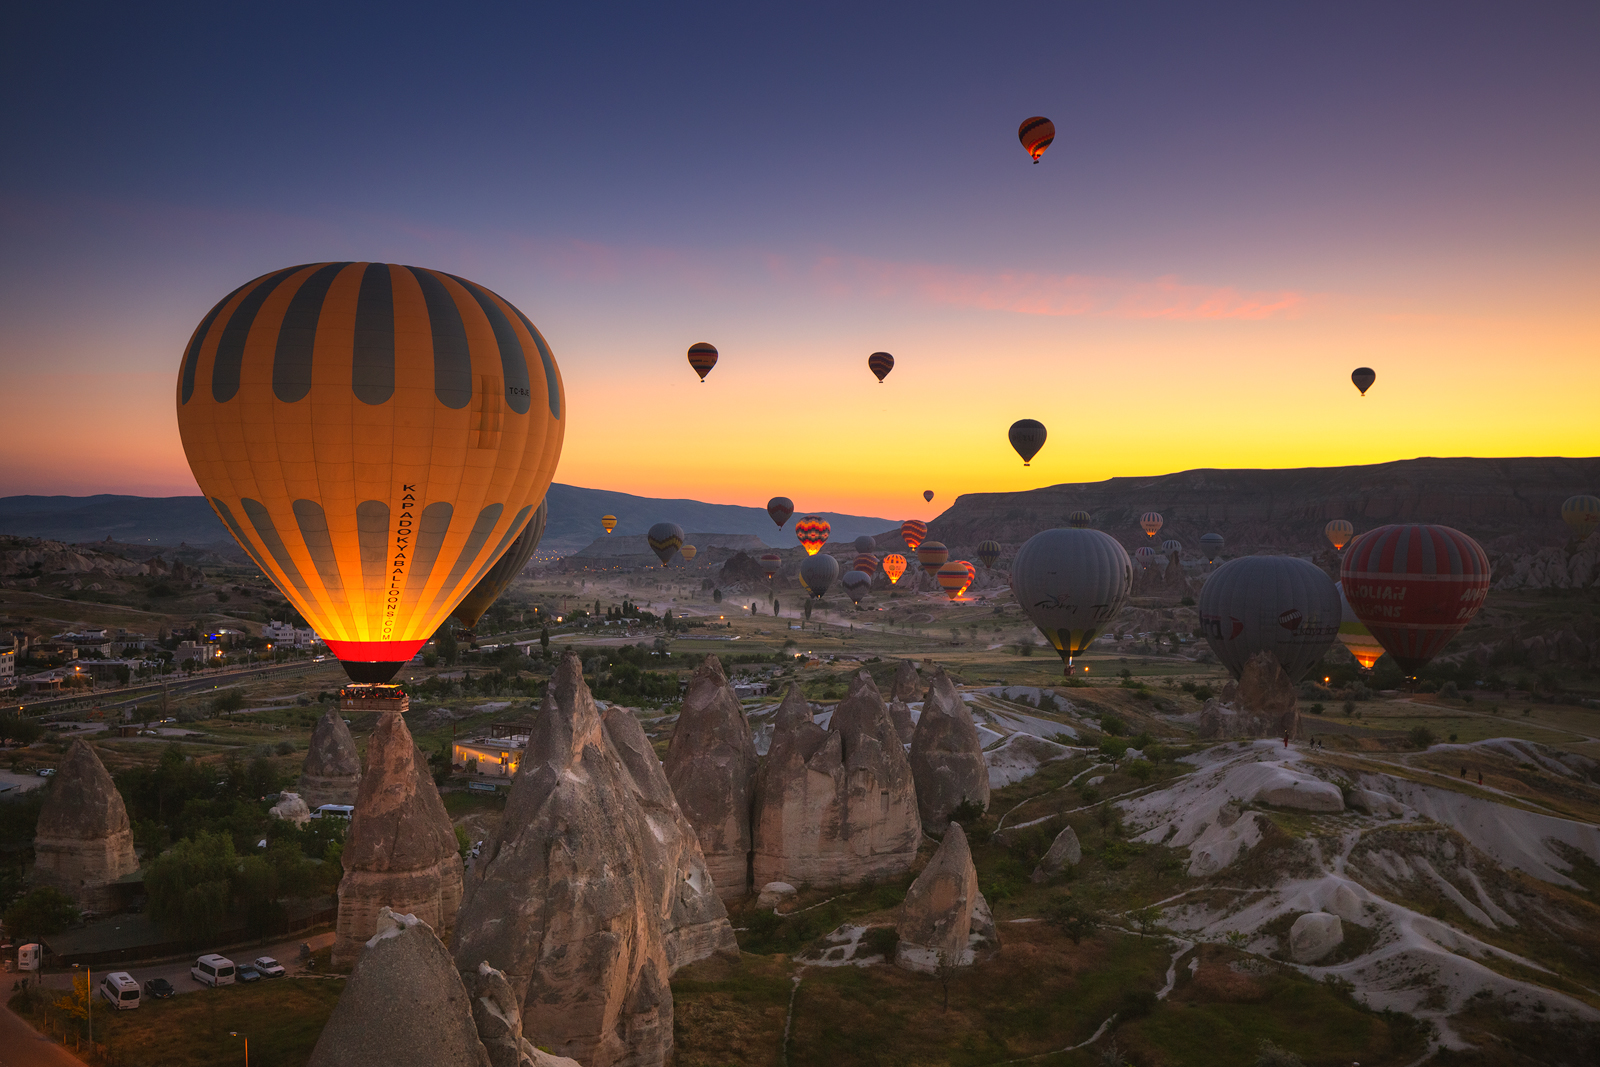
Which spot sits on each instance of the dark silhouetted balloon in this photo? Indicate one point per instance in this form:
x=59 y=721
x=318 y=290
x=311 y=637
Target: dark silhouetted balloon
x=496 y=578
x=913 y=532
x=864 y=543
x=702 y=357
x=812 y=532
x=818 y=572
x=1071 y=583
x=856 y=585
x=1582 y=514
x=1211 y=544
x=1338 y=532
x=1415 y=586
x=927 y=494
x=1363 y=377
x=1036 y=134
x=1172 y=546
x=988 y=553
x=1079 y=520
x=1027 y=437
x=1276 y=604
x=880 y=363
x=665 y=538
x=780 y=508
x=932 y=555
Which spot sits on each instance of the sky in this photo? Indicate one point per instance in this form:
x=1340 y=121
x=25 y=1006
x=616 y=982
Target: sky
x=1243 y=203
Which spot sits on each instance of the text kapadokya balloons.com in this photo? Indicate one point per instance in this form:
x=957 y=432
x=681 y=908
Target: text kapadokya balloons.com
x=665 y=539
x=812 y=532
x=1415 y=586
x=894 y=566
x=880 y=364
x=702 y=357
x=374 y=436
x=1071 y=583
x=1027 y=437
x=1036 y=135
x=498 y=577
x=818 y=572
x=1276 y=604
x=779 y=508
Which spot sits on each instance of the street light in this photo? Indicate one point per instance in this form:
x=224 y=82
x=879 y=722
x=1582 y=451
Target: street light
x=235 y=1033
x=88 y=1000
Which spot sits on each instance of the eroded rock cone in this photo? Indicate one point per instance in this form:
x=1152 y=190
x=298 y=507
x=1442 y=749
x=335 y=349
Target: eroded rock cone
x=694 y=924
x=799 y=810
x=499 y=1022
x=1064 y=852
x=944 y=916
x=1267 y=697
x=560 y=902
x=401 y=850
x=946 y=755
x=711 y=764
x=291 y=807
x=907 y=684
x=404 y=1004
x=881 y=825
x=332 y=771
x=83 y=842
x=905 y=728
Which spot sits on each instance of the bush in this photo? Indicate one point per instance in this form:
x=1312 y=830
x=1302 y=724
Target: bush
x=1112 y=748
x=284 y=747
x=1349 y=707
x=1066 y=915
x=41 y=912
x=1316 y=709
x=1112 y=725
x=1273 y=1056
x=1136 y=1004
x=1421 y=737
x=882 y=941
x=1141 y=770
x=1449 y=691
x=229 y=702
x=1203 y=693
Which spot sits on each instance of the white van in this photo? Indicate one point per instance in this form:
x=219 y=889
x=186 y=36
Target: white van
x=120 y=989
x=335 y=811
x=212 y=970
x=29 y=956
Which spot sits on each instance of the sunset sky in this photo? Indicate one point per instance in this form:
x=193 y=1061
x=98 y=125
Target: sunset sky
x=1243 y=203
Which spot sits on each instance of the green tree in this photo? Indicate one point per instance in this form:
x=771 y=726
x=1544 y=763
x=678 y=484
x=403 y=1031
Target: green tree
x=544 y=641
x=1066 y=915
x=228 y=702
x=716 y=596
x=190 y=887
x=444 y=642
x=39 y=913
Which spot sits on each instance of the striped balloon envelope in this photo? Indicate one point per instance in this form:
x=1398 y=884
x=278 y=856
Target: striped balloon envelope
x=880 y=363
x=770 y=564
x=1211 y=545
x=702 y=357
x=913 y=532
x=1338 y=533
x=1355 y=636
x=866 y=563
x=1582 y=515
x=894 y=566
x=932 y=555
x=972 y=574
x=1416 y=587
x=665 y=538
x=1036 y=134
x=608 y=523
x=856 y=584
x=989 y=553
x=688 y=552
x=1150 y=523
x=375 y=437
x=953 y=579
x=779 y=508
x=500 y=576
x=1079 y=520
x=1172 y=547
x=813 y=534
x=1144 y=555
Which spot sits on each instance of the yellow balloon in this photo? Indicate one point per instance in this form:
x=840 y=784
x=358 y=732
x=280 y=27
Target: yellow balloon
x=688 y=552
x=374 y=436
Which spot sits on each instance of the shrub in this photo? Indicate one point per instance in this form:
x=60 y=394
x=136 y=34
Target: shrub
x=285 y=747
x=1141 y=770
x=1066 y=915
x=882 y=941
x=1273 y=1056
x=1316 y=709
x=41 y=912
x=1136 y=1004
x=1203 y=693
x=1349 y=707
x=1112 y=725
x=1112 y=747
x=1449 y=691
x=1421 y=737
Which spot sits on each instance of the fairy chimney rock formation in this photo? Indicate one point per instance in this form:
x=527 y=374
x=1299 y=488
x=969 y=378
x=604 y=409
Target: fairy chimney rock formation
x=401 y=850
x=403 y=1004
x=83 y=842
x=799 y=797
x=694 y=923
x=711 y=764
x=332 y=771
x=1267 y=697
x=560 y=901
x=499 y=1022
x=906 y=683
x=944 y=916
x=946 y=755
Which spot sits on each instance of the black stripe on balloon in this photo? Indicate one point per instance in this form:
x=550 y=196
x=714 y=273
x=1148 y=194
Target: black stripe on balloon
x=513 y=361
x=230 y=349
x=550 y=380
x=313 y=523
x=226 y=514
x=511 y=534
x=372 y=361
x=431 y=528
x=372 y=535
x=452 y=356
x=261 y=519
x=297 y=336
x=191 y=357
x=481 y=530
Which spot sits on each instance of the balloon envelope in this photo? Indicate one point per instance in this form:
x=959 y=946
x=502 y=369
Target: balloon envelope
x=688 y=552
x=952 y=578
x=665 y=539
x=702 y=357
x=1415 y=586
x=818 y=572
x=1582 y=515
x=1036 y=133
x=913 y=532
x=865 y=543
x=1355 y=636
x=1071 y=583
x=1276 y=604
x=1150 y=523
x=880 y=363
x=1363 y=377
x=1338 y=532
x=1079 y=520
x=856 y=585
x=894 y=566
x=866 y=563
x=608 y=522
x=988 y=553
x=497 y=578
x=927 y=494
x=813 y=533
x=1211 y=544
x=1144 y=555
x=770 y=564
x=1027 y=437
x=780 y=508
x=932 y=555
x=1171 y=546
x=374 y=436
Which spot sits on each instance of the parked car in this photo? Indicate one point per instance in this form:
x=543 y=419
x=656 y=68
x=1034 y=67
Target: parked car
x=159 y=988
x=269 y=967
x=46 y=772
x=247 y=973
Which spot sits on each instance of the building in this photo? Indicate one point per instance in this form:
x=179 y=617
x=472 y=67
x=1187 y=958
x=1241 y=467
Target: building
x=203 y=653
x=8 y=669
x=496 y=756
x=284 y=634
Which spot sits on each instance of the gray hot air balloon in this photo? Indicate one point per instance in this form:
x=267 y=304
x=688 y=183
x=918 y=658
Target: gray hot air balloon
x=818 y=572
x=1276 y=604
x=665 y=539
x=1211 y=544
x=496 y=578
x=1071 y=583
x=864 y=543
x=856 y=584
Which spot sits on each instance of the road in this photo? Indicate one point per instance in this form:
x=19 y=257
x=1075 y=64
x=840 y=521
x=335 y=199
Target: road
x=23 y=1046
x=177 y=971
x=113 y=698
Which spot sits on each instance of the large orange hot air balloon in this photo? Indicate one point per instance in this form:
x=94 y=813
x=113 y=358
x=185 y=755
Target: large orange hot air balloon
x=880 y=363
x=932 y=555
x=1036 y=134
x=894 y=566
x=1416 y=587
x=608 y=522
x=813 y=534
x=1150 y=523
x=913 y=532
x=952 y=578
x=374 y=436
x=702 y=357
x=1338 y=532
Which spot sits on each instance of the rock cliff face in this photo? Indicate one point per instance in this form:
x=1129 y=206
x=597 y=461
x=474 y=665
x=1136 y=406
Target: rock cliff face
x=332 y=771
x=906 y=683
x=799 y=809
x=1569 y=567
x=711 y=764
x=694 y=924
x=1262 y=703
x=946 y=755
x=560 y=902
x=83 y=841
x=403 y=1004
x=401 y=850
x=944 y=916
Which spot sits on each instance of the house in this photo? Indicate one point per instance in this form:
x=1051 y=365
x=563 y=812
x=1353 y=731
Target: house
x=8 y=669
x=286 y=634
x=495 y=756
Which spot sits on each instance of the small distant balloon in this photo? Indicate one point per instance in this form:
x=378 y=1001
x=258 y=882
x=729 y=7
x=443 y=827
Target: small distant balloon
x=856 y=585
x=1338 y=532
x=1079 y=520
x=665 y=539
x=608 y=522
x=865 y=543
x=1171 y=546
x=932 y=555
x=988 y=553
x=702 y=357
x=1211 y=544
x=866 y=563
x=1363 y=378
x=1027 y=437
x=780 y=508
x=913 y=532
x=770 y=564
x=818 y=572
x=1582 y=515
x=927 y=494
x=894 y=566
x=1150 y=523
x=689 y=552
x=880 y=363
x=813 y=534
x=1036 y=134
x=1144 y=555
